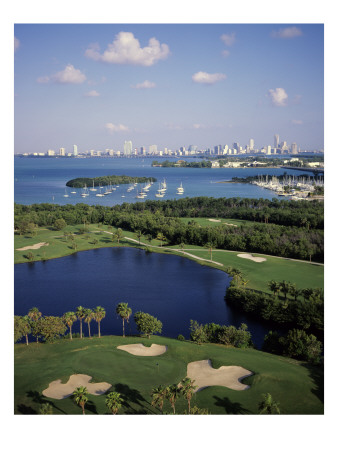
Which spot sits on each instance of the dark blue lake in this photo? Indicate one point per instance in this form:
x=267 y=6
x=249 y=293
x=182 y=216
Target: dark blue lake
x=172 y=288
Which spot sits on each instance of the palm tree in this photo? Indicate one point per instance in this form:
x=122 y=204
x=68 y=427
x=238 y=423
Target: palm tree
x=182 y=245
x=268 y=405
x=80 y=314
x=114 y=402
x=149 y=238
x=294 y=291
x=284 y=287
x=172 y=394
x=89 y=316
x=274 y=287
x=124 y=312
x=158 y=396
x=209 y=246
x=69 y=318
x=118 y=235
x=80 y=397
x=187 y=389
x=139 y=234
x=34 y=315
x=99 y=314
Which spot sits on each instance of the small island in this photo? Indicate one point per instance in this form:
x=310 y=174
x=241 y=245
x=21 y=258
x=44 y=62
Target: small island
x=108 y=180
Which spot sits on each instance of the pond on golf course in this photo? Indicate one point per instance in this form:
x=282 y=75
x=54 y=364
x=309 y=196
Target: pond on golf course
x=172 y=288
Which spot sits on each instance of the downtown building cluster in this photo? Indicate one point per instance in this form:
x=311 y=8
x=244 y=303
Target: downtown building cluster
x=279 y=147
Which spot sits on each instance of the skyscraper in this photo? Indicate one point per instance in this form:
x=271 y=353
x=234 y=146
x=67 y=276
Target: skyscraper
x=276 y=140
x=127 y=148
x=294 y=149
x=251 y=144
x=75 y=150
x=62 y=151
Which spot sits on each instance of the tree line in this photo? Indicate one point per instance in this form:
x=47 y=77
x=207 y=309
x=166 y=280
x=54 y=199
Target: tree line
x=50 y=328
x=107 y=180
x=300 y=242
x=288 y=310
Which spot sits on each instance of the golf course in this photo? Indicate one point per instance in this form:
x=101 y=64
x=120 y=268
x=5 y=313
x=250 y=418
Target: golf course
x=296 y=386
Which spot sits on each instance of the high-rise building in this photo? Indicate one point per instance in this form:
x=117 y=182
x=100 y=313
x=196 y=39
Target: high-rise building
x=236 y=146
x=62 y=151
x=50 y=153
x=294 y=149
x=127 y=148
x=75 y=150
x=153 y=148
x=276 y=141
x=268 y=150
x=251 y=144
x=143 y=150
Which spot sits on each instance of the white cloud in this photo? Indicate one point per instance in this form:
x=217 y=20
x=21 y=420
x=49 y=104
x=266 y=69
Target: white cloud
x=16 y=43
x=92 y=94
x=115 y=128
x=225 y=53
x=287 y=33
x=278 y=96
x=208 y=78
x=145 y=85
x=228 y=39
x=297 y=122
x=69 y=75
x=126 y=49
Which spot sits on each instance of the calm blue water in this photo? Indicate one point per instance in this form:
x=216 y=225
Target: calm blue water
x=43 y=180
x=172 y=288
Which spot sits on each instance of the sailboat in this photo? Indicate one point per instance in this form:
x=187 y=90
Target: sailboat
x=160 y=192
x=93 y=188
x=85 y=192
x=66 y=194
x=180 y=190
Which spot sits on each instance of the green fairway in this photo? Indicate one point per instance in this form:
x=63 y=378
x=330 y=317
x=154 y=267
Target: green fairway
x=209 y=222
x=296 y=386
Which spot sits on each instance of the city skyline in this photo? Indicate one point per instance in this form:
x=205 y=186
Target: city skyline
x=168 y=85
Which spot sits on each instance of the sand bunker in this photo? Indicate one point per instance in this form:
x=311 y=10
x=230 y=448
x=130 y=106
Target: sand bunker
x=253 y=258
x=214 y=220
x=141 y=350
x=33 y=247
x=228 y=376
x=59 y=391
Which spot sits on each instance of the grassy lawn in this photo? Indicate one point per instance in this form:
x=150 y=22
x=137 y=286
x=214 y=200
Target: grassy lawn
x=210 y=222
x=297 y=387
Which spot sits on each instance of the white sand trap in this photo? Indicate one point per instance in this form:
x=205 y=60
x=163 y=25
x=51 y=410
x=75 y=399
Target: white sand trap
x=214 y=220
x=33 y=247
x=228 y=376
x=59 y=391
x=253 y=258
x=141 y=350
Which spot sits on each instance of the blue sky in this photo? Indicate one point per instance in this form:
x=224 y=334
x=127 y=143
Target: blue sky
x=171 y=85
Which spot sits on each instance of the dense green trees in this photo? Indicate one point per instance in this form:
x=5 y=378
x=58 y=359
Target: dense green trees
x=284 y=235
x=22 y=328
x=307 y=314
x=51 y=328
x=107 y=180
x=147 y=324
x=220 y=334
x=295 y=344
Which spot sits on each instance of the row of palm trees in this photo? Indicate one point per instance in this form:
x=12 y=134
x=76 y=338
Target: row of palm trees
x=171 y=393
x=113 y=399
x=286 y=288
x=85 y=315
x=184 y=388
